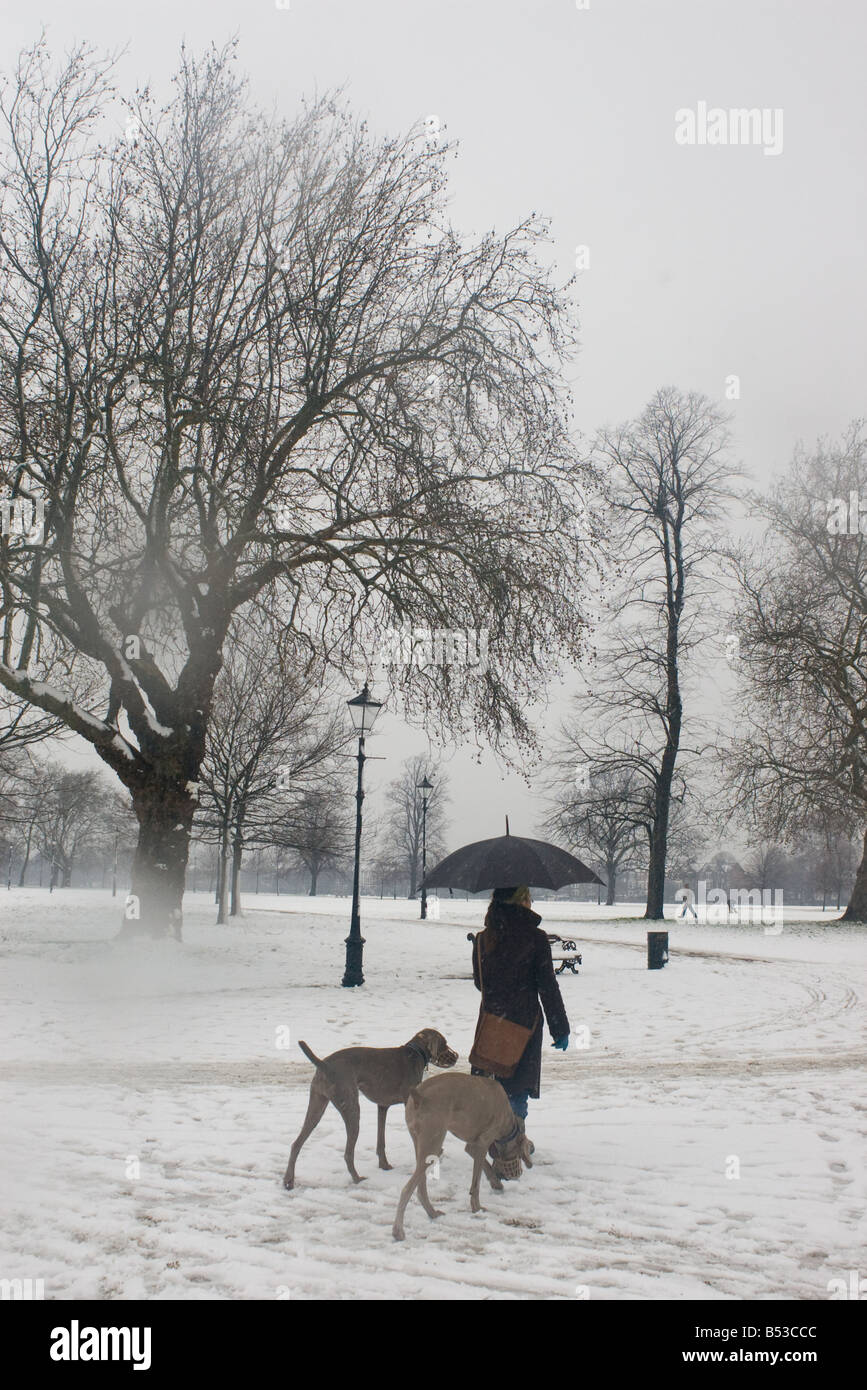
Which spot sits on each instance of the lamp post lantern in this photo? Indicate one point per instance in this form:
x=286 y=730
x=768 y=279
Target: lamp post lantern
x=425 y=787
x=364 y=710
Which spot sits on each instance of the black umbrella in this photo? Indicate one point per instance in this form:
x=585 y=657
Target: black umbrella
x=506 y=861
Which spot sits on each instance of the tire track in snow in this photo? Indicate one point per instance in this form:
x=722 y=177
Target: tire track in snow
x=820 y=1006
x=154 y=1075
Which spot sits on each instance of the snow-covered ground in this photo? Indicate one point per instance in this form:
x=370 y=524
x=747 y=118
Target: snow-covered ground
x=708 y=1142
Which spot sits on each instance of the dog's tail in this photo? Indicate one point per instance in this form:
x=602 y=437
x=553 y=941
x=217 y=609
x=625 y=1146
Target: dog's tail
x=311 y=1056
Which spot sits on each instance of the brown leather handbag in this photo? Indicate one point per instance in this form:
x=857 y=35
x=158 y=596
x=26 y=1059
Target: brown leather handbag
x=499 y=1043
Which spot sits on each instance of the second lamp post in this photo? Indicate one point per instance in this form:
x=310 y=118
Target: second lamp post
x=425 y=787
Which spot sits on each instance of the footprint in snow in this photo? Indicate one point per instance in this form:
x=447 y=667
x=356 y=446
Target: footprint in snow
x=814 y=1258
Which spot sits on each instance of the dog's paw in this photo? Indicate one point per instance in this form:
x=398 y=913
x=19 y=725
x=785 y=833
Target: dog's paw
x=288 y=1183
x=434 y=1214
x=357 y=1179
x=386 y=1167
x=397 y=1234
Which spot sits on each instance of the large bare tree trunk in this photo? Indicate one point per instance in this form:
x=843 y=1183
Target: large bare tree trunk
x=221 y=859
x=662 y=808
x=654 y=910
x=223 y=887
x=611 y=874
x=164 y=811
x=237 y=855
x=856 y=910
x=23 y=872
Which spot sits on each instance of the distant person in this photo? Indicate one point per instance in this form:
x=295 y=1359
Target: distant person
x=687 y=901
x=516 y=973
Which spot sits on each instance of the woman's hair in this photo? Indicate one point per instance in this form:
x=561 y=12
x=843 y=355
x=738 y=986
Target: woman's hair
x=494 y=920
x=511 y=895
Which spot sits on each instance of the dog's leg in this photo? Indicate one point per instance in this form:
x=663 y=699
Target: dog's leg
x=492 y=1177
x=477 y=1152
x=381 y=1114
x=397 y=1228
x=346 y=1100
x=432 y=1149
x=315 y=1110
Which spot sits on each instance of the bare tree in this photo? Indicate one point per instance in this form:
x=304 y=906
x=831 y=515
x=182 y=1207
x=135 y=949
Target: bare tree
x=72 y=814
x=246 y=361
x=11 y=795
x=766 y=864
x=19 y=725
x=687 y=841
x=23 y=788
x=318 y=829
x=270 y=732
x=388 y=865
x=402 y=823
x=803 y=626
x=667 y=480
x=834 y=850
x=599 y=814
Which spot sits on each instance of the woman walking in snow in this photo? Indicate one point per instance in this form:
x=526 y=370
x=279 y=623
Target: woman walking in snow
x=516 y=973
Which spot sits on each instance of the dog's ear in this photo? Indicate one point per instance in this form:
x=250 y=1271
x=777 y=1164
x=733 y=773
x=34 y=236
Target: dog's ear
x=424 y=1038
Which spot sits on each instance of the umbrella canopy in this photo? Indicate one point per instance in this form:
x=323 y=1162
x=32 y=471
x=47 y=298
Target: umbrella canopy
x=508 y=860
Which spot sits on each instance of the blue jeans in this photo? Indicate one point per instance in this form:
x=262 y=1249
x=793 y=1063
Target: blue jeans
x=519 y=1102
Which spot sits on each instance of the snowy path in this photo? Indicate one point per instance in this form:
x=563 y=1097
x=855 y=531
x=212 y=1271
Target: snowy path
x=746 y=1053
x=152 y=1075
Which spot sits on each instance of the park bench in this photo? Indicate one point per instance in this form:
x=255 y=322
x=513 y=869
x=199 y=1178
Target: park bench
x=564 y=962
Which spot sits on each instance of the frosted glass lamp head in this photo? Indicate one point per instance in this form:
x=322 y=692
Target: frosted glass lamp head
x=364 y=710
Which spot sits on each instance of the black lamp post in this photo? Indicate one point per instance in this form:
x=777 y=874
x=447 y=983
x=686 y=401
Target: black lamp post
x=364 y=711
x=425 y=787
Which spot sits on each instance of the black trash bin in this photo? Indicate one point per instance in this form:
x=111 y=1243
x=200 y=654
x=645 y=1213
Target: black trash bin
x=657 y=949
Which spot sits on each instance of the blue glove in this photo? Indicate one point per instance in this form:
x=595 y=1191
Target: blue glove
x=562 y=1043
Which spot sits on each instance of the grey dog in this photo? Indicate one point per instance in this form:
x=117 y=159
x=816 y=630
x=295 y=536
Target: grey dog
x=385 y=1075
x=475 y=1109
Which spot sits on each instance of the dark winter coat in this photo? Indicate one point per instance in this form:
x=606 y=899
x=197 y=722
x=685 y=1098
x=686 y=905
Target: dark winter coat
x=516 y=974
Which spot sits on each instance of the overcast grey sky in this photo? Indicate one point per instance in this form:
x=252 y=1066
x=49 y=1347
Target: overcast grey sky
x=704 y=261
